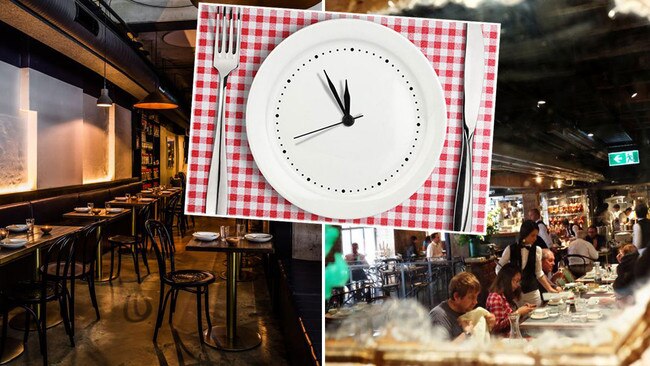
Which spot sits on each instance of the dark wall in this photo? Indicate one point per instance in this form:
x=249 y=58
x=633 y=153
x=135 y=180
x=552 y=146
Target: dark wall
x=20 y=50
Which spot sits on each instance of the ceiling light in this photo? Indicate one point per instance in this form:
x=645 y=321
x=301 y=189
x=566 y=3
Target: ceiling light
x=540 y=103
x=538 y=179
x=590 y=134
x=611 y=14
x=156 y=100
x=634 y=95
x=104 y=100
x=559 y=183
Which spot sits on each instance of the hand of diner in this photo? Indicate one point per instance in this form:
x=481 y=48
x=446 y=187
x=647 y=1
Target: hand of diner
x=526 y=309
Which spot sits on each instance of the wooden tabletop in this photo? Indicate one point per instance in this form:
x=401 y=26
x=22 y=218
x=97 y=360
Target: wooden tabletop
x=103 y=215
x=131 y=203
x=244 y=246
x=34 y=241
x=161 y=194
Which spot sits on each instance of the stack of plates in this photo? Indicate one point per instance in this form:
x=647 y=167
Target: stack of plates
x=147 y=191
x=13 y=243
x=81 y=209
x=205 y=235
x=17 y=228
x=258 y=237
x=114 y=210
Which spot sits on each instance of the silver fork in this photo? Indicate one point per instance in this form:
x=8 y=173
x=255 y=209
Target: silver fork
x=226 y=59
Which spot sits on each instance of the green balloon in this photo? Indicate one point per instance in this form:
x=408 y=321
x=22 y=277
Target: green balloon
x=336 y=273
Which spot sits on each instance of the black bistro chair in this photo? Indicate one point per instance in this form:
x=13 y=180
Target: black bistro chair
x=579 y=265
x=190 y=280
x=50 y=286
x=82 y=267
x=135 y=244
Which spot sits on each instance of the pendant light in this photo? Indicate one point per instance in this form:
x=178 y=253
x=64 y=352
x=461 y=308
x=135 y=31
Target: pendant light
x=156 y=100
x=104 y=100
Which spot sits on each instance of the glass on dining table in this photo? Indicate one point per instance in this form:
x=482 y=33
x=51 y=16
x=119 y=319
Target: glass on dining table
x=128 y=196
x=30 y=224
x=138 y=196
x=90 y=206
x=581 y=305
x=240 y=231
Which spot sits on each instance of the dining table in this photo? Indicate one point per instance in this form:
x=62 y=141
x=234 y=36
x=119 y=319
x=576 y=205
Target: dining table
x=134 y=204
x=36 y=241
x=163 y=196
x=231 y=337
x=101 y=214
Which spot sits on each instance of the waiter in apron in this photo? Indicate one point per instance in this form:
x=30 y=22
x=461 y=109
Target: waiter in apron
x=528 y=257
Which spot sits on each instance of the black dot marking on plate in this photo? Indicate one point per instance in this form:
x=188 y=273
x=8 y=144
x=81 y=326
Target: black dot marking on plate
x=391 y=175
x=277 y=115
x=417 y=110
x=315 y=56
x=386 y=60
x=411 y=88
x=303 y=174
x=406 y=159
x=284 y=151
x=321 y=186
x=288 y=81
x=336 y=190
x=343 y=191
x=328 y=188
x=418 y=124
x=308 y=179
x=378 y=183
x=351 y=49
x=330 y=51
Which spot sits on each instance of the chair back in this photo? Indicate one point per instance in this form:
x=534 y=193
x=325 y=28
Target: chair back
x=144 y=214
x=58 y=260
x=163 y=246
x=87 y=242
x=578 y=264
x=169 y=211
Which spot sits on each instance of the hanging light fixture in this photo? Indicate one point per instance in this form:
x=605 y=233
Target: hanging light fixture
x=104 y=100
x=156 y=100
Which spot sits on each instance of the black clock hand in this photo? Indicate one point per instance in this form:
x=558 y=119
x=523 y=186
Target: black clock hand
x=346 y=99
x=326 y=127
x=333 y=89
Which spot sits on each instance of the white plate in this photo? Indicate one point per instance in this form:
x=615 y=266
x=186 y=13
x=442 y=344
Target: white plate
x=146 y=199
x=538 y=316
x=17 y=228
x=120 y=198
x=346 y=172
x=258 y=237
x=114 y=210
x=13 y=243
x=147 y=191
x=205 y=235
x=81 y=209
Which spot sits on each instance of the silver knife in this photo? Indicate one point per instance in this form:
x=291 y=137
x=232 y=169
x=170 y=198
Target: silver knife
x=472 y=90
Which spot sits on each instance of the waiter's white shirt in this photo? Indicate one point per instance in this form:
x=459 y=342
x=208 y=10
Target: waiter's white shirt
x=505 y=259
x=543 y=233
x=636 y=237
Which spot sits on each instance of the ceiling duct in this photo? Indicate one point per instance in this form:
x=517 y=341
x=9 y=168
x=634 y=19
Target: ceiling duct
x=71 y=28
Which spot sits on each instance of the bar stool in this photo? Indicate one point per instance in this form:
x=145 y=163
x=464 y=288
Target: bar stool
x=190 y=280
x=134 y=244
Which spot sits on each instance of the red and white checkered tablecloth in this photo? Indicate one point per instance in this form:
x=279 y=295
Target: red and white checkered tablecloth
x=250 y=196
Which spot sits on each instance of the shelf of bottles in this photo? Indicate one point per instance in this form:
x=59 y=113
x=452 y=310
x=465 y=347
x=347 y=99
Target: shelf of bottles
x=148 y=145
x=572 y=206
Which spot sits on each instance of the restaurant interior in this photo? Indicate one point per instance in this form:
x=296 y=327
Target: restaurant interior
x=99 y=265
x=570 y=140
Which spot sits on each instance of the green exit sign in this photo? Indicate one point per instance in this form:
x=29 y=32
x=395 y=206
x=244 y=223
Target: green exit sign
x=624 y=158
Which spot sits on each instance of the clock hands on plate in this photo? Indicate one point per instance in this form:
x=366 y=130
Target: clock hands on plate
x=326 y=127
x=347 y=119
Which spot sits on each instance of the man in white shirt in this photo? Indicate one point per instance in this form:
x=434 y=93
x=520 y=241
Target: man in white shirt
x=641 y=230
x=581 y=247
x=434 y=249
x=543 y=234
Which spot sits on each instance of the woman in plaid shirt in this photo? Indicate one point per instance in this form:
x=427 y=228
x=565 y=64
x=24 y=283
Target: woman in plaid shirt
x=505 y=289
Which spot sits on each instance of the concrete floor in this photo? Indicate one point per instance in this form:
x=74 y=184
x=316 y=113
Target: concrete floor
x=128 y=311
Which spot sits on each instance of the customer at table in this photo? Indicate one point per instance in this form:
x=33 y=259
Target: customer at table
x=543 y=238
x=434 y=250
x=580 y=246
x=463 y=293
x=624 y=217
x=641 y=230
x=627 y=258
x=504 y=292
x=548 y=262
x=527 y=256
x=355 y=257
x=598 y=241
x=411 y=248
x=569 y=229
